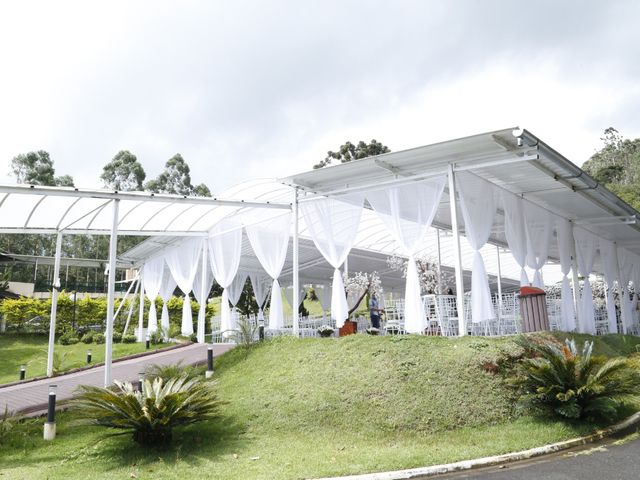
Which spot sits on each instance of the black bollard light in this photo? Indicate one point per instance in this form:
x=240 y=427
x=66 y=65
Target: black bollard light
x=148 y=341
x=23 y=372
x=209 y=372
x=50 y=424
x=140 y=381
x=261 y=331
x=88 y=356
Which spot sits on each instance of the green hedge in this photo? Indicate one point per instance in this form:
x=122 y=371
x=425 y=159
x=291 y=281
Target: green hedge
x=89 y=311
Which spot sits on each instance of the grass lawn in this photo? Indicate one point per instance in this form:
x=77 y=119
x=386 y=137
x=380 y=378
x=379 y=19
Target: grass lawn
x=320 y=407
x=31 y=350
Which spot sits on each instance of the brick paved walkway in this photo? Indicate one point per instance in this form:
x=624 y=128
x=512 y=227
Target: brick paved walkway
x=31 y=397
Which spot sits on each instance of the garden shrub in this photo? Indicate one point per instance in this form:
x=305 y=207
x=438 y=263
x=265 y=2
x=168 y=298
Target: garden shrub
x=572 y=384
x=175 y=331
x=69 y=338
x=157 y=337
x=151 y=414
x=129 y=339
x=117 y=337
x=99 y=338
x=88 y=337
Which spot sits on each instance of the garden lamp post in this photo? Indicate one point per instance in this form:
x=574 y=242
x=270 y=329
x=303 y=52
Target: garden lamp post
x=89 y=356
x=23 y=372
x=209 y=372
x=141 y=381
x=50 y=424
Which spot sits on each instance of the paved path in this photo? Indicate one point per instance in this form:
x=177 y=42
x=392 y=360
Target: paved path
x=32 y=396
x=603 y=461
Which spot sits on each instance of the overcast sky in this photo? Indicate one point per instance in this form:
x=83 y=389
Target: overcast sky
x=260 y=89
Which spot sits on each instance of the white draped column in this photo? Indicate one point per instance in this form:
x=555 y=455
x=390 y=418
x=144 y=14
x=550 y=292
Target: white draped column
x=235 y=291
x=609 y=260
x=260 y=285
x=183 y=264
x=514 y=232
x=202 y=284
x=166 y=291
x=565 y=242
x=586 y=248
x=538 y=229
x=270 y=241
x=333 y=226
x=152 y=273
x=477 y=199
x=408 y=211
x=626 y=268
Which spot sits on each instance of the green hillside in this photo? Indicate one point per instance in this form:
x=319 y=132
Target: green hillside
x=324 y=407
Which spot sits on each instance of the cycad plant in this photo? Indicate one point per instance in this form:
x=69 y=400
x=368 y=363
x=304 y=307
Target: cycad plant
x=151 y=414
x=573 y=384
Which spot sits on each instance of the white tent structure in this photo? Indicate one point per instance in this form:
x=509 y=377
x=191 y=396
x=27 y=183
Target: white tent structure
x=505 y=191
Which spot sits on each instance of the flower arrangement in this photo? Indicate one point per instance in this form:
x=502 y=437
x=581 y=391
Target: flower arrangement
x=326 y=330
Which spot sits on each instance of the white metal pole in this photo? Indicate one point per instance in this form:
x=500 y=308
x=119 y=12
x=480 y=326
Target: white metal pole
x=133 y=297
x=54 y=304
x=111 y=287
x=624 y=296
x=499 y=283
x=439 y=263
x=141 y=308
x=576 y=282
x=124 y=299
x=202 y=313
x=462 y=328
x=296 y=279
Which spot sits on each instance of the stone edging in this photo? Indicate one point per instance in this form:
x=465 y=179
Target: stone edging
x=96 y=365
x=497 y=459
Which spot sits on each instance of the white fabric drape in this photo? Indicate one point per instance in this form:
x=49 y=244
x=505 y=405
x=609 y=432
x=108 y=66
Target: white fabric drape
x=407 y=211
x=288 y=293
x=586 y=249
x=515 y=233
x=197 y=293
x=478 y=205
x=627 y=268
x=235 y=291
x=260 y=284
x=609 y=260
x=183 y=263
x=333 y=225
x=270 y=241
x=565 y=249
x=225 y=250
x=323 y=292
x=538 y=228
x=152 y=280
x=166 y=291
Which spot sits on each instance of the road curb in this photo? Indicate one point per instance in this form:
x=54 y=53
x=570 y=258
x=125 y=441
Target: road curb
x=464 y=465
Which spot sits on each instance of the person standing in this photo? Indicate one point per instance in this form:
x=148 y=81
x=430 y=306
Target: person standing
x=374 y=311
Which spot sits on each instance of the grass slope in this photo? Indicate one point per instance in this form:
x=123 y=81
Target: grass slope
x=321 y=407
x=31 y=350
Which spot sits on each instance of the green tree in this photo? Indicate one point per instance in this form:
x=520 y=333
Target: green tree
x=349 y=151
x=36 y=168
x=617 y=166
x=176 y=179
x=123 y=173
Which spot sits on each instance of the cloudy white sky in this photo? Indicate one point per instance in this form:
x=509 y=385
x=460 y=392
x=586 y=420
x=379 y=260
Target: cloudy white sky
x=259 y=89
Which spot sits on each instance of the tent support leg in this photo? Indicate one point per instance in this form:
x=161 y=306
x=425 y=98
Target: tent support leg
x=202 y=317
x=439 y=263
x=576 y=283
x=54 y=304
x=111 y=290
x=462 y=328
x=499 y=282
x=296 y=265
x=133 y=297
x=141 y=308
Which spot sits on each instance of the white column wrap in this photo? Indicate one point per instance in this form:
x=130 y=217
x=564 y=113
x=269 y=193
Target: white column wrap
x=515 y=233
x=586 y=249
x=166 y=290
x=260 y=285
x=627 y=266
x=198 y=290
x=565 y=242
x=270 y=241
x=152 y=280
x=225 y=250
x=407 y=211
x=478 y=205
x=333 y=226
x=183 y=262
x=538 y=228
x=609 y=265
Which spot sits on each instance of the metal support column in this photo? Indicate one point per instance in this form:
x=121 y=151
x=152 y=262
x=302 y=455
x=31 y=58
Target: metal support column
x=623 y=297
x=439 y=263
x=141 y=308
x=296 y=262
x=499 y=282
x=575 y=287
x=202 y=313
x=54 y=304
x=133 y=297
x=462 y=328
x=111 y=290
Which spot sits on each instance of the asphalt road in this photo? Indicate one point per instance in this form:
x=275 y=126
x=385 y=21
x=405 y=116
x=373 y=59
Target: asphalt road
x=607 y=461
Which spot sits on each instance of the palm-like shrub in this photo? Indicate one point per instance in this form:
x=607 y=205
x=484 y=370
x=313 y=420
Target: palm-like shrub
x=152 y=413
x=173 y=370
x=562 y=381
